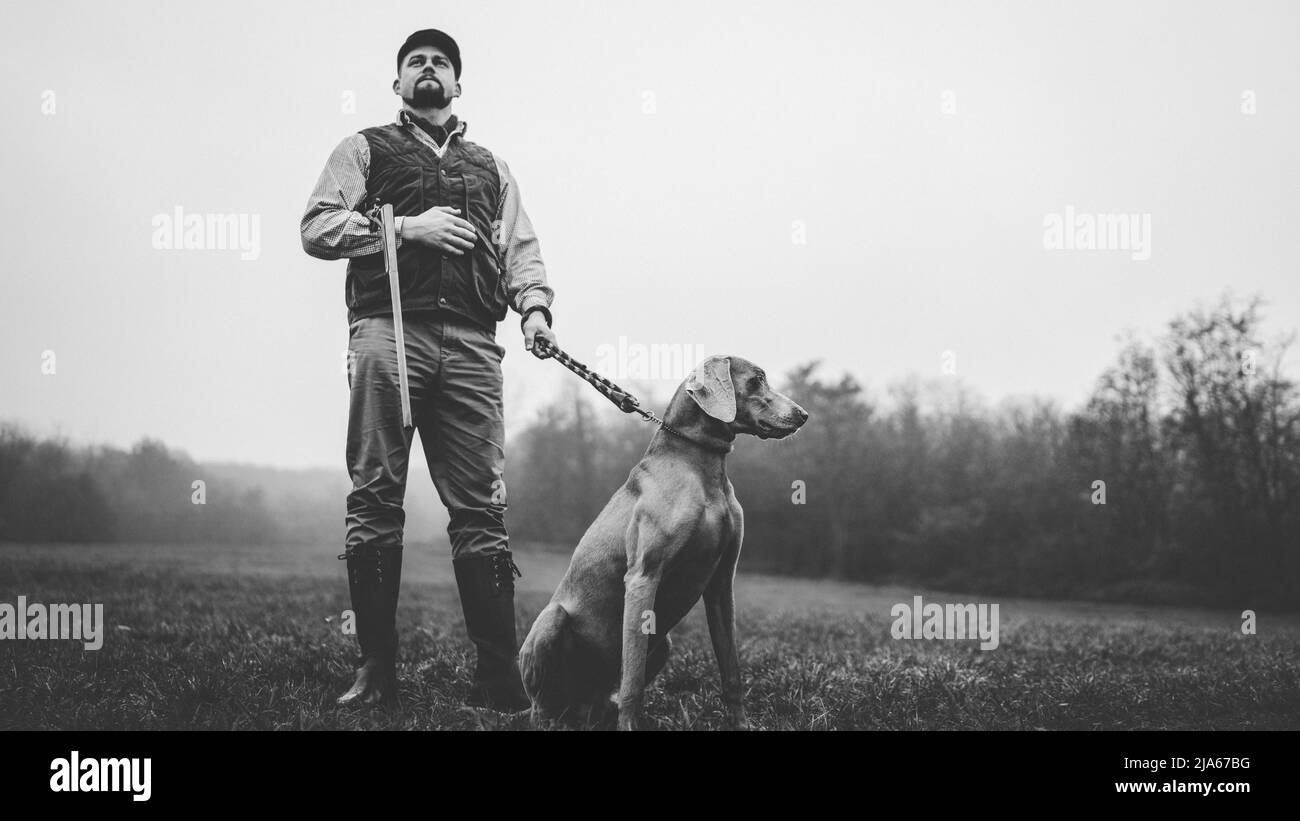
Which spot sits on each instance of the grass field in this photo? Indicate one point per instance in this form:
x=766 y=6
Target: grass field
x=238 y=638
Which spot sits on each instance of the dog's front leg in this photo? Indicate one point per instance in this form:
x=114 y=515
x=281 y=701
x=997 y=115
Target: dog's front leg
x=648 y=547
x=720 y=608
x=638 y=612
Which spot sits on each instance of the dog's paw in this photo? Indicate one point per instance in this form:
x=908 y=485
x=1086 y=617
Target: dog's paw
x=739 y=722
x=628 y=723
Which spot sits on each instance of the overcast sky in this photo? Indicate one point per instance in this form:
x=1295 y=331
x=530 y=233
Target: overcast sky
x=860 y=183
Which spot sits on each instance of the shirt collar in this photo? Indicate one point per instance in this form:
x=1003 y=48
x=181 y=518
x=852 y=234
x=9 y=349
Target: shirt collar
x=453 y=126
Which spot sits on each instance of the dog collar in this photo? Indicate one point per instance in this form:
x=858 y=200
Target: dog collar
x=706 y=445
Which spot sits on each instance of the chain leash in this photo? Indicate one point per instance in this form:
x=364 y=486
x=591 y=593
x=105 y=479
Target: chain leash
x=622 y=400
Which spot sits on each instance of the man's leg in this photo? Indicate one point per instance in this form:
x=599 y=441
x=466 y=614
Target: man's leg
x=378 y=449
x=464 y=445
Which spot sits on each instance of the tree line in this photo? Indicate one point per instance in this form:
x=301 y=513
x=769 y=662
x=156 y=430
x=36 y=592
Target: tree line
x=51 y=491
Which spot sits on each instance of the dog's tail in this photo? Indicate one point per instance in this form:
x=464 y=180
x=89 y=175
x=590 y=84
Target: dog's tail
x=543 y=652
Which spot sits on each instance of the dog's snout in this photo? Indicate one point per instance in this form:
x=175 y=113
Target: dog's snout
x=784 y=418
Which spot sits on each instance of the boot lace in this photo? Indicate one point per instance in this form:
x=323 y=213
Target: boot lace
x=504 y=571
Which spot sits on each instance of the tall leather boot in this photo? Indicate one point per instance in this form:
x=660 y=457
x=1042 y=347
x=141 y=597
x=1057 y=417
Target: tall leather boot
x=374 y=578
x=487 y=595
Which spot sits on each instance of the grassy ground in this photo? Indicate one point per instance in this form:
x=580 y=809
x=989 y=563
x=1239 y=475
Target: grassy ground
x=238 y=638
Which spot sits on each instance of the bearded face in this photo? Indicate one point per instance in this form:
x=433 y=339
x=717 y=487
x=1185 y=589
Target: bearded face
x=427 y=79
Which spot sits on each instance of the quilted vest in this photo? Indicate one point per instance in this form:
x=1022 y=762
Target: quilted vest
x=408 y=174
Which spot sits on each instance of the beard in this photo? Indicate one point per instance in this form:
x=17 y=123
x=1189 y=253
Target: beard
x=428 y=95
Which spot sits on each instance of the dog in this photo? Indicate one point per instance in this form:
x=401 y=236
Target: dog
x=669 y=535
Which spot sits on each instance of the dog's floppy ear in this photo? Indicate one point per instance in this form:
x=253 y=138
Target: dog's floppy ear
x=710 y=386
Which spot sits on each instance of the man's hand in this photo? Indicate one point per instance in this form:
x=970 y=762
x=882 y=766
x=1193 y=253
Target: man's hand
x=440 y=228
x=535 y=326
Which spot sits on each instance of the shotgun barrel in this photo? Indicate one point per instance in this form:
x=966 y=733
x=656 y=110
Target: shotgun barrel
x=395 y=289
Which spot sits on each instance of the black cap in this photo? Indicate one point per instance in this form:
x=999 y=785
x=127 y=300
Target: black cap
x=431 y=37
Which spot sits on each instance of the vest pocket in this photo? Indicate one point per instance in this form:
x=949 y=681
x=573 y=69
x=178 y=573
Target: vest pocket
x=484 y=261
x=488 y=282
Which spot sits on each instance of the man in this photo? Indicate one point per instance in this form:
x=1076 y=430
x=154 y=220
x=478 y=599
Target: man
x=466 y=251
